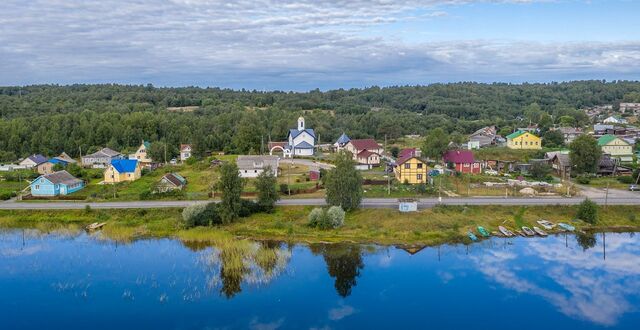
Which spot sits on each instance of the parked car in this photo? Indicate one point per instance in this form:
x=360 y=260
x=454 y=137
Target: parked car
x=634 y=187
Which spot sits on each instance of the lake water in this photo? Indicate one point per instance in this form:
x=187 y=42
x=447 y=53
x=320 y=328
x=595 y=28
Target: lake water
x=72 y=280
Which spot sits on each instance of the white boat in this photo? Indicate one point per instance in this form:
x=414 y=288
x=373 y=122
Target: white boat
x=96 y=225
x=548 y=225
x=527 y=231
x=506 y=232
x=540 y=231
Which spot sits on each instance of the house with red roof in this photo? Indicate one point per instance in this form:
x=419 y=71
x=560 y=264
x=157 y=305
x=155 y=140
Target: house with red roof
x=461 y=161
x=365 y=151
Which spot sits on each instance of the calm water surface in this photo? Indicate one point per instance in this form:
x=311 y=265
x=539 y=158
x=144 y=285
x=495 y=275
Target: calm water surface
x=72 y=280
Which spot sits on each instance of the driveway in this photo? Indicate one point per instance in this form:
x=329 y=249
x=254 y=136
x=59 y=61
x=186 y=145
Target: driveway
x=306 y=162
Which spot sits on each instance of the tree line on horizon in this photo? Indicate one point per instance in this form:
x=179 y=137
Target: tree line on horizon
x=49 y=119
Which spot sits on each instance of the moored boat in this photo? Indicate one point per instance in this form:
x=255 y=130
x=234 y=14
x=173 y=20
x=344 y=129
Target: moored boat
x=483 y=231
x=506 y=232
x=96 y=225
x=521 y=233
x=527 y=231
x=539 y=231
x=566 y=227
x=472 y=236
x=548 y=225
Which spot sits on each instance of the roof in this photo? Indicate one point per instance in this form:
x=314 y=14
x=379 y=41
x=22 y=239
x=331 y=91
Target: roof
x=65 y=157
x=343 y=139
x=303 y=145
x=124 y=165
x=365 y=144
x=458 y=156
x=602 y=127
x=58 y=160
x=104 y=152
x=366 y=153
x=61 y=177
x=407 y=152
x=569 y=130
x=184 y=147
x=606 y=139
x=146 y=144
x=38 y=159
x=295 y=132
x=563 y=159
x=257 y=162
x=175 y=179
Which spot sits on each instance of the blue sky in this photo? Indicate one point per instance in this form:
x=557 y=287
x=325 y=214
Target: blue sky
x=307 y=44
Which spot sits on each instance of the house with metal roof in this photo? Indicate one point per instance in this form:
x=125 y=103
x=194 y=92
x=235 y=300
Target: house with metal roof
x=252 y=166
x=55 y=184
x=523 y=140
x=410 y=167
x=33 y=161
x=171 y=181
x=121 y=170
x=341 y=142
x=142 y=154
x=616 y=147
x=101 y=158
x=301 y=141
x=461 y=161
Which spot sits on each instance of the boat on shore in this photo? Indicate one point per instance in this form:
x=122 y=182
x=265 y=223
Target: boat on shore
x=548 y=225
x=527 y=231
x=506 y=232
x=472 y=236
x=540 y=232
x=566 y=227
x=521 y=233
x=483 y=232
x=96 y=225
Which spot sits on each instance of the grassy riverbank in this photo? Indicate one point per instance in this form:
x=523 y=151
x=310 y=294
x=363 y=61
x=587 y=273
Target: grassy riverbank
x=445 y=224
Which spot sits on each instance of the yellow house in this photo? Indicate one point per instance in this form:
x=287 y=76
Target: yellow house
x=122 y=170
x=142 y=155
x=523 y=140
x=411 y=169
x=616 y=147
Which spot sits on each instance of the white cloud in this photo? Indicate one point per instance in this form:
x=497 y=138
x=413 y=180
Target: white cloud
x=338 y=313
x=269 y=44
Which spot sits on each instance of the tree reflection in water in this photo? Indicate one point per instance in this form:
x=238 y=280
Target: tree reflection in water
x=233 y=262
x=344 y=262
x=586 y=240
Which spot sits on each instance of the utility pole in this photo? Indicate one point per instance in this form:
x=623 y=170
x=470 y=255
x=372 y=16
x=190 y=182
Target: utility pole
x=165 y=153
x=606 y=197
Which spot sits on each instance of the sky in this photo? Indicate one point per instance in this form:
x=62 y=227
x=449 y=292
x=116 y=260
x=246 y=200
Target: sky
x=301 y=45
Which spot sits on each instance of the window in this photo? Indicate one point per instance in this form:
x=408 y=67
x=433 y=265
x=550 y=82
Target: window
x=419 y=165
x=407 y=166
x=419 y=176
x=37 y=187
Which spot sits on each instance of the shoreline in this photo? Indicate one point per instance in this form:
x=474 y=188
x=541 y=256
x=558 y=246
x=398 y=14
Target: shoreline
x=428 y=227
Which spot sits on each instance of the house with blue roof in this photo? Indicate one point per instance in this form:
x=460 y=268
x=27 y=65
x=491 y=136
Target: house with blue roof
x=33 y=161
x=122 y=170
x=301 y=141
x=341 y=142
x=55 y=184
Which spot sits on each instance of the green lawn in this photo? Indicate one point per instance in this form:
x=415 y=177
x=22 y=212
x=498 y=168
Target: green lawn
x=10 y=186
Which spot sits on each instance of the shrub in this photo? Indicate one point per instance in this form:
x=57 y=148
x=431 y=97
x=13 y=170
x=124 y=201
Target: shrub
x=284 y=188
x=626 y=179
x=248 y=207
x=335 y=216
x=583 y=179
x=421 y=189
x=316 y=217
x=192 y=215
x=588 y=211
x=87 y=208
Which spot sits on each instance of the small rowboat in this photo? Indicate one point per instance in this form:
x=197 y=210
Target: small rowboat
x=521 y=233
x=483 y=232
x=506 y=232
x=527 y=231
x=540 y=231
x=548 y=225
x=566 y=227
x=472 y=236
x=96 y=225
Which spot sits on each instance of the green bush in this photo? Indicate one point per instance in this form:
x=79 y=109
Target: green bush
x=327 y=219
x=626 y=179
x=583 y=179
x=588 y=211
x=200 y=215
x=7 y=196
x=284 y=188
x=317 y=217
x=335 y=216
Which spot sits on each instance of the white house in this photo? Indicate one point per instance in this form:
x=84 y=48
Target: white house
x=252 y=166
x=615 y=120
x=185 y=152
x=301 y=141
x=33 y=161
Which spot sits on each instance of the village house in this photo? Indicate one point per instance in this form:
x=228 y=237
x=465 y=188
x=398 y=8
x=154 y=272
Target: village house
x=170 y=182
x=569 y=133
x=101 y=158
x=523 y=140
x=341 y=142
x=185 y=152
x=142 y=154
x=611 y=166
x=410 y=168
x=616 y=147
x=366 y=152
x=55 y=184
x=33 y=161
x=461 y=161
x=252 y=166
x=66 y=158
x=122 y=170
x=48 y=166
x=561 y=164
x=483 y=137
x=630 y=107
x=301 y=141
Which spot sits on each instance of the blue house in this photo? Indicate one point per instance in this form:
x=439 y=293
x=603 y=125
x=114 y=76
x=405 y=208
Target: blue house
x=54 y=184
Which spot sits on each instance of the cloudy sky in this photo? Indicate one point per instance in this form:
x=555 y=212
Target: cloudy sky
x=306 y=44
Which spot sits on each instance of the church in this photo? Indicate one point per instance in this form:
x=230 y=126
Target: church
x=301 y=141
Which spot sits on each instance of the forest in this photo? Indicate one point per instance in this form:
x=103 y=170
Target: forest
x=49 y=119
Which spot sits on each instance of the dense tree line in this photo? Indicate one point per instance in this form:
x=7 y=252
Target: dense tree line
x=82 y=118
